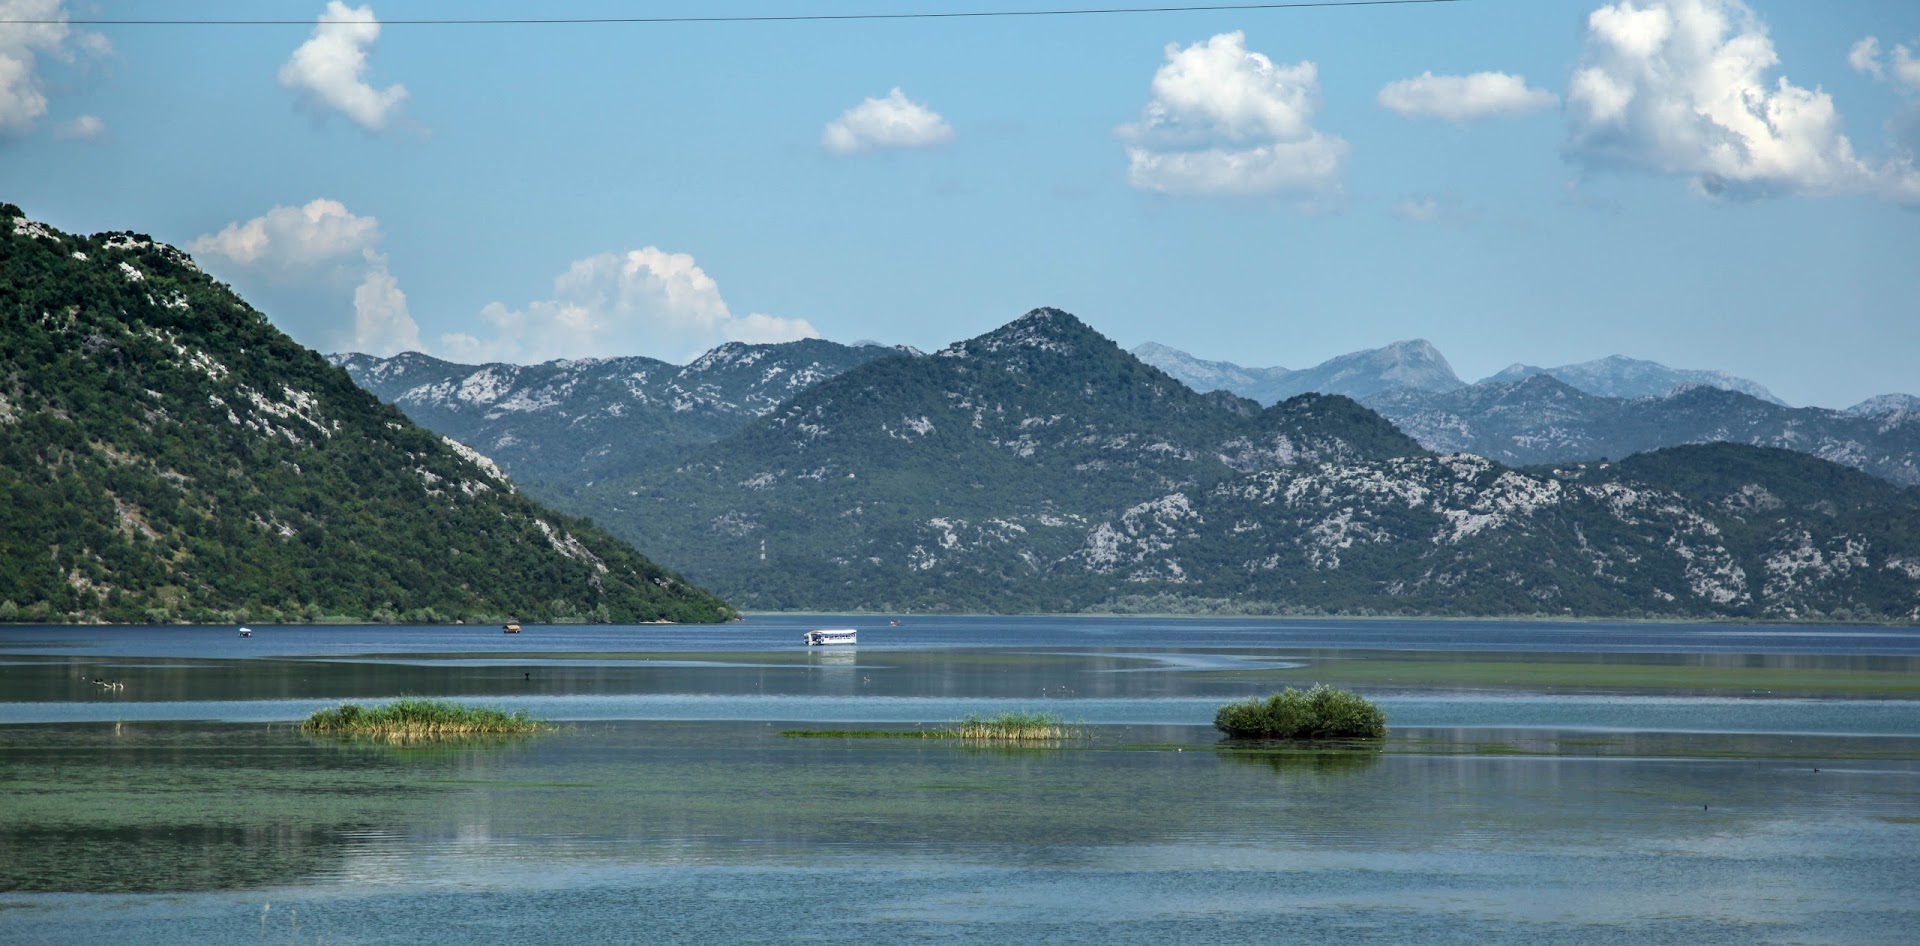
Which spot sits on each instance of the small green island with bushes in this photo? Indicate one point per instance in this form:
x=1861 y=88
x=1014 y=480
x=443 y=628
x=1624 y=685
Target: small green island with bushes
x=1322 y=712
x=419 y=719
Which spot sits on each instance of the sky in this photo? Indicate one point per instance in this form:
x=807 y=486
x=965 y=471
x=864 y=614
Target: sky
x=1704 y=183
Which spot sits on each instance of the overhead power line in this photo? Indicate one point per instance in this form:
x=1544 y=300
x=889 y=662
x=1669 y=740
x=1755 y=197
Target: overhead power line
x=766 y=18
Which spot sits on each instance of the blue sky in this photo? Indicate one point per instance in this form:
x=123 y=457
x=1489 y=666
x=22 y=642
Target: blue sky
x=1704 y=183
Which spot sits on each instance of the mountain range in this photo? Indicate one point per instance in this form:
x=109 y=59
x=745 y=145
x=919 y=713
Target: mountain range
x=1609 y=407
x=1539 y=419
x=168 y=455
x=1417 y=365
x=1411 y=364
x=1039 y=467
x=575 y=421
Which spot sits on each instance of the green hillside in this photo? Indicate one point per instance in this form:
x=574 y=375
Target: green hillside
x=167 y=455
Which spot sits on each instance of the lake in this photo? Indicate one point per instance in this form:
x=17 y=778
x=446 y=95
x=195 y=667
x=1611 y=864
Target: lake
x=1543 y=782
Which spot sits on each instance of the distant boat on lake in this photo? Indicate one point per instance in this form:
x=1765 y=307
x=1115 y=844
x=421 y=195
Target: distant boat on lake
x=510 y=629
x=246 y=632
x=838 y=635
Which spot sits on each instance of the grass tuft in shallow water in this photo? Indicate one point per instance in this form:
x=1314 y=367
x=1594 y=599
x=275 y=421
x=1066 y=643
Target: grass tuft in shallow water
x=418 y=719
x=1013 y=726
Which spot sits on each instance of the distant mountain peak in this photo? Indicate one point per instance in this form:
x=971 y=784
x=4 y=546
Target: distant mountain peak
x=1413 y=363
x=1627 y=377
x=1044 y=329
x=1886 y=404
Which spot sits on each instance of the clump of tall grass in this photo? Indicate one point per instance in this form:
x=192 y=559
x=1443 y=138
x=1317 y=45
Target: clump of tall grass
x=1020 y=726
x=1320 y=713
x=418 y=719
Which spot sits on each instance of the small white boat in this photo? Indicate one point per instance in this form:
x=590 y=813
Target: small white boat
x=837 y=635
x=246 y=632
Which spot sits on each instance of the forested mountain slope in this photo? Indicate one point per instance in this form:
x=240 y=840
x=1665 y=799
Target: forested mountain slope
x=167 y=455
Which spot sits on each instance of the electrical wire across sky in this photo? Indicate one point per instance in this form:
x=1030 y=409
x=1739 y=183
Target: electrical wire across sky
x=748 y=18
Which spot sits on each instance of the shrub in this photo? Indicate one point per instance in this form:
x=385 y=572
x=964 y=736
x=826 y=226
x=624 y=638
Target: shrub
x=1320 y=713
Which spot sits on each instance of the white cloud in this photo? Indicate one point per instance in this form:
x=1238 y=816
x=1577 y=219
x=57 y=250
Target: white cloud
x=1865 y=57
x=1225 y=121
x=759 y=329
x=1465 y=98
x=293 y=239
x=1445 y=211
x=1904 y=65
x=22 y=99
x=84 y=128
x=322 y=246
x=1681 y=87
x=892 y=122
x=646 y=301
x=381 y=323
x=329 y=70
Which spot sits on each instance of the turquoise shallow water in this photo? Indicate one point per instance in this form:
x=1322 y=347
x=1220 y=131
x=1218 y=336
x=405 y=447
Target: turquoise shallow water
x=669 y=808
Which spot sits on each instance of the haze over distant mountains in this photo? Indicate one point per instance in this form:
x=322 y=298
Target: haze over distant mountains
x=1540 y=419
x=1609 y=407
x=1417 y=364
x=1410 y=364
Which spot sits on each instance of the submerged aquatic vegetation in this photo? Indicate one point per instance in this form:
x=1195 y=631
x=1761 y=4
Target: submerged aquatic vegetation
x=1000 y=727
x=419 y=719
x=1320 y=713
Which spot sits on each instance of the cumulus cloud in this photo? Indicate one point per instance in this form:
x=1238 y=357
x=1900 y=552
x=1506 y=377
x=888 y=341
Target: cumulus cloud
x=1901 y=67
x=1681 y=87
x=381 y=323
x=1227 y=121
x=84 y=128
x=893 y=122
x=646 y=301
x=23 y=100
x=322 y=246
x=293 y=239
x=1465 y=98
x=328 y=71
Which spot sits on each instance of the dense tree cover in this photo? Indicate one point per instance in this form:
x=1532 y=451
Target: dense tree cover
x=167 y=455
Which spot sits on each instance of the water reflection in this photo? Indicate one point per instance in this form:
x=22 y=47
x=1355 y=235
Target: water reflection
x=1294 y=761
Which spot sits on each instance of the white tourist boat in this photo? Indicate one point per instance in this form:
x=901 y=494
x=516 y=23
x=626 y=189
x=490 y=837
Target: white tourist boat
x=838 y=635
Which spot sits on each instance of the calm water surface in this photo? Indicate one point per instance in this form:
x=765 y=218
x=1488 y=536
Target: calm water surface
x=1779 y=804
